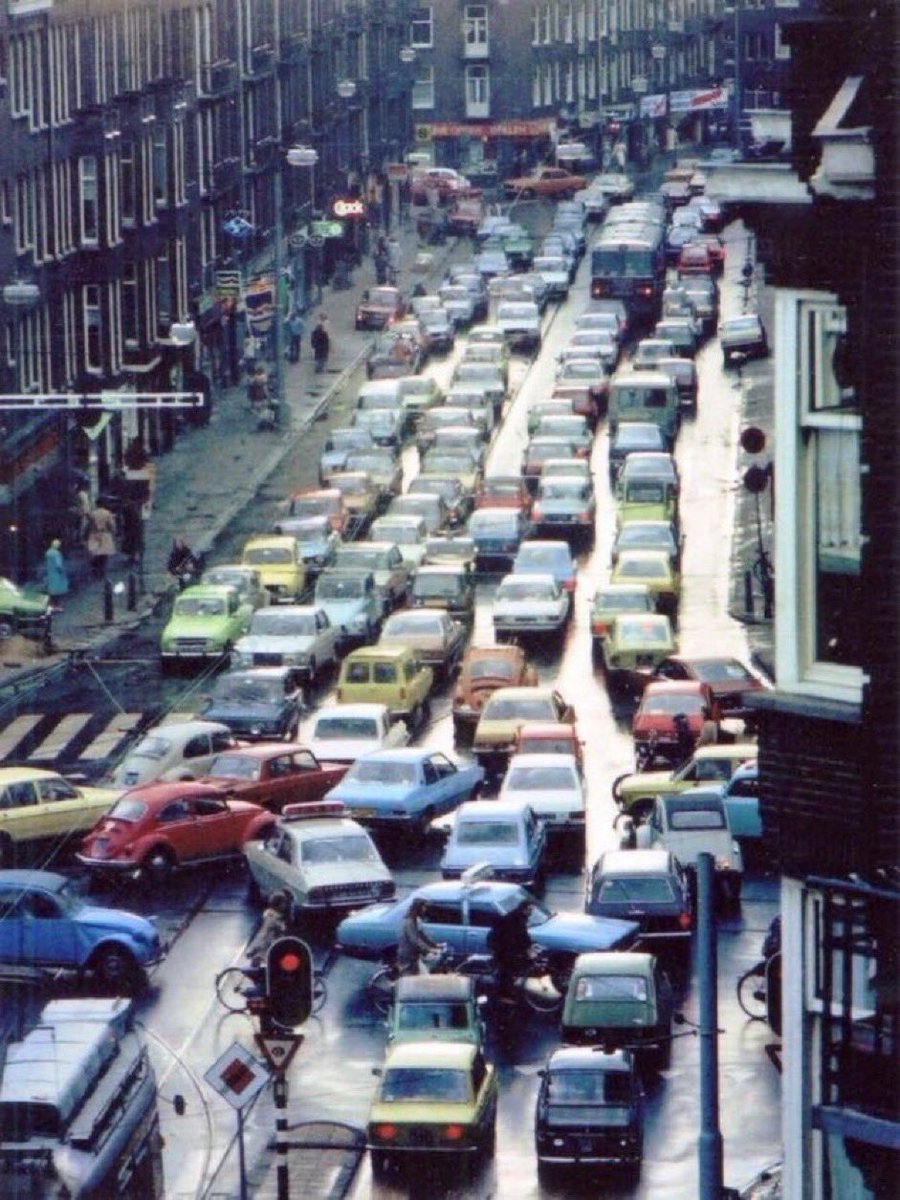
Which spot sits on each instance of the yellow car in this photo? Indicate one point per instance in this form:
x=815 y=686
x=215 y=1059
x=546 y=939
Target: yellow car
x=281 y=568
x=391 y=675
x=42 y=806
x=646 y=500
x=434 y=1098
x=634 y=792
x=635 y=645
x=654 y=569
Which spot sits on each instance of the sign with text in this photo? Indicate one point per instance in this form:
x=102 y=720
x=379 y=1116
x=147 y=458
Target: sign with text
x=326 y=229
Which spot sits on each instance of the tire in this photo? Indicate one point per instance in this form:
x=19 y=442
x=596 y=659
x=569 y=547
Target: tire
x=230 y=985
x=7 y=852
x=380 y=988
x=157 y=866
x=7 y=627
x=320 y=992
x=115 y=967
x=543 y=995
x=616 y=788
x=751 y=992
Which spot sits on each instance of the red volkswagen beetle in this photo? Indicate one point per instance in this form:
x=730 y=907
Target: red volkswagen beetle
x=655 y=722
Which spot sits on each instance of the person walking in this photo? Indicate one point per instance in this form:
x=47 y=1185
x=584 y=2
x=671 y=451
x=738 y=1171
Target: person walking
x=380 y=256
x=321 y=343
x=56 y=574
x=295 y=327
x=101 y=539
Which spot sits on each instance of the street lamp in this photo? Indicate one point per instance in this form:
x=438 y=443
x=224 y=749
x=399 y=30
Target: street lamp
x=307 y=158
x=735 y=13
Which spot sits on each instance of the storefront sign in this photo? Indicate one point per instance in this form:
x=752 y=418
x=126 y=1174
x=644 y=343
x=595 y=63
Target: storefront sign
x=528 y=128
x=653 y=106
x=326 y=229
x=716 y=97
x=349 y=208
x=228 y=285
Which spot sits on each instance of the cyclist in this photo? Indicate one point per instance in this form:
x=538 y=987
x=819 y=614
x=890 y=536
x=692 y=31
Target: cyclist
x=414 y=941
x=510 y=945
x=274 y=925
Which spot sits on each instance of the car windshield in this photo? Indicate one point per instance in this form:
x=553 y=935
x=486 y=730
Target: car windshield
x=696 y=818
x=129 y=808
x=361 y=557
x=545 y=557
x=339 y=589
x=242 y=690
x=570 y=488
x=199 y=606
x=485 y=521
x=355 y=848
x=539 y=779
x=640 y=568
x=307 y=508
x=589 y=1088
x=460 y=464
x=526 y=589
x=383 y=296
x=493 y=668
x=223 y=578
x=403 y=535
x=640 y=889
x=489 y=833
x=234 y=766
x=644 y=492
x=642 y=633
x=502 y=488
x=434 y=1085
x=508 y=708
x=375 y=771
x=152 y=746
x=403 y=625
x=611 y=988
x=261 y=555
x=578 y=370
x=443 y=586
x=672 y=702
x=722 y=670
x=311 y=531
x=335 y=728
x=624 y=602
x=278 y=623
x=638 y=535
x=547 y=745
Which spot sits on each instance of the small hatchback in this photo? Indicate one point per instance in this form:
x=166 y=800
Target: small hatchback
x=435 y=1008
x=391 y=675
x=648 y=886
x=503 y=833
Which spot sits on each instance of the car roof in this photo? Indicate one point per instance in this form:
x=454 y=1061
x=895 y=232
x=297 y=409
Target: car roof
x=213 y=590
x=535 y=577
x=263 y=750
x=23 y=877
x=186 y=729
x=634 y=862
x=728 y=749
x=351 y=710
x=546 y=729
x=458 y=1055
x=542 y=760
x=401 y=754
x=613 y=962
x=680 y=687
x=382 y=650
x=19 y=774
x=434 y=988
x=158 y=792
x=590 y=1058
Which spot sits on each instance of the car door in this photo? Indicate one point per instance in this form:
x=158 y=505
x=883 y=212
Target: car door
x=20 y=818
x=177 y=828
x=48 y=933
x=444 y=779
x=443 y=922
x=482 y=917
x=62 y=808
x=217 y=830
x=196 y=757
x=273 y=863
x=11 y=899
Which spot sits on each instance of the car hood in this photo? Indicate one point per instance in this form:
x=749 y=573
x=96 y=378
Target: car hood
x=578 y=932
x=342 y=611
x=245 y=713
x=267 y=644
x=457 y=858
x=370 y=795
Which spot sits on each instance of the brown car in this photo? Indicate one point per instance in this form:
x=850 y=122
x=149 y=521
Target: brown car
x=546 y=181
x=504 y=491
x=483 y=670
x=274 y=774
x=380 y=306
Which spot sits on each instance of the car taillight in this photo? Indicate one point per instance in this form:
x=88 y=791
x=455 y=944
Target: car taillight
x=569 y=585
x=536 y=512
x=685 y=920
x=386 y=1133
x=584 y=516
x=454 y=1133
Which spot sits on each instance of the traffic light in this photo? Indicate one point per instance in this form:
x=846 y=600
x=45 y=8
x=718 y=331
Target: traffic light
x=289 y=981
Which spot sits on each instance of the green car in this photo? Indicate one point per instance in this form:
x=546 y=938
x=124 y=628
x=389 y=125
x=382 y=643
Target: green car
x=435 y=1008
x=27 y=613
x=635 y=645
x=435 y=1098
x=205 y=623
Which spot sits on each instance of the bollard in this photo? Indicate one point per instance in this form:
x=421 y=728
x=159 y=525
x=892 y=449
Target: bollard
x=107 y=601
x=132 y=591
x=748 y=593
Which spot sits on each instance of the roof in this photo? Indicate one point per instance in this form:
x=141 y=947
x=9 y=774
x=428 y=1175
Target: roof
x=458 y=1055
x=613 y=962
x=269 y=539
x=16 y=774
x=401 y=754
x=351 y=710
x=381 y=651
x=208 y=589
x=589 y=1058
x=157 y=792
x=634 y=862
x=189 y=728
x=543 y=760
x=676 y=687
x=49 y=880
x=731 y=749
x=548 y=729
x=434 y=987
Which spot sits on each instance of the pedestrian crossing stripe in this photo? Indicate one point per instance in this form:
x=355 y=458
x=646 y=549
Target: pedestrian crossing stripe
x=60 y=736
x=63 y=739
x=16 y=732
x=105 y=743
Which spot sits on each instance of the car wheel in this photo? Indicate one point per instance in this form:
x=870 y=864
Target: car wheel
x=7 y=852
x=158 y=865
x=115 y=967
x=561 y=973
x=7 y=627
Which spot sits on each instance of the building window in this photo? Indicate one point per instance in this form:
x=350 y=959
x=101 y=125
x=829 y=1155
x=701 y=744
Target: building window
x=24 y=214
x=755 y=47
x=88 y=199
x=421 y=27
x=113 y=201
x=475 y=28
x=160 y=167
x=423 y=88
x=782 y=49
x=128 y=183
x=130 y=327
x=478 y=91
x=91 y=326
x=818 y=516
x=568 y=22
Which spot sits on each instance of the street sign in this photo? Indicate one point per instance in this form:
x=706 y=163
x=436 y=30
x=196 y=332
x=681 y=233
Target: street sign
x=279 y=1049
x=327 y=229
x=297 y=240
x=237 y=1076
x=317 y=240
x=228 y=285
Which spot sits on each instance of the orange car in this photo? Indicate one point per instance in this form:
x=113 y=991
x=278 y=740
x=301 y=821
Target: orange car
x=484 y=670
x=546 y=181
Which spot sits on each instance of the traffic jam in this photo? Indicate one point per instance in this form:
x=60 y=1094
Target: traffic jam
x=475 y=705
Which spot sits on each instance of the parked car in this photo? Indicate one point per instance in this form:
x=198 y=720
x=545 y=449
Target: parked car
x=395 y=354
x=428 y=506
x=407 y=532
x=655 y=569
x=38 y=807
x=405 y=788
x=529 y=604
x=361 y=496
x=153 y=829
x=440 y=1096
x=484 y=669
x=691 y=823
x=257 y=704
x=338 y=445
x=743 y=337
x=321 y=858
x=345 y=732
x=583 y=381
x=178 y=750
x=633 y=437
x=503 y=491
x=436 y=637
x=388 y=674
x=457 y=500
x=450 y=549
x=295 y=635
x=508 y=708
x=48 y=925
x=506 y=835
x=206 y=622
x=620 y=1000
x=648 y=886
x=549 y=737
x=520 y=321
x=590 y=1109
x=352 y=603
x=615 y=185
x=382 y=466
x=552 y=785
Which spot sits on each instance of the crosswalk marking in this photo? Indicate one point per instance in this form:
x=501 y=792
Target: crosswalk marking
x=105 y=742
x=16 y=731
x=59 y=737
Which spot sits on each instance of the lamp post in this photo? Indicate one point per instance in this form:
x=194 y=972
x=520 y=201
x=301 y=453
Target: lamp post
x=306 y=157
x=734 y=11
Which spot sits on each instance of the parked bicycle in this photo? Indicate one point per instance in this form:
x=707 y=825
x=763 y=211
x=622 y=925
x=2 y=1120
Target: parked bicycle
x=759 y=988
x=241 y=990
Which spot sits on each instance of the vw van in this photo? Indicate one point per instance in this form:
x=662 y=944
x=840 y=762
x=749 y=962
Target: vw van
x=645 y=396
x=620 y=999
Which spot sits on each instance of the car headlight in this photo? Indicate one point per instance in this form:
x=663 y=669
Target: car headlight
x=299 y=659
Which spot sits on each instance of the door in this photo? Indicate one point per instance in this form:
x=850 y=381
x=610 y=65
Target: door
x=47 y=930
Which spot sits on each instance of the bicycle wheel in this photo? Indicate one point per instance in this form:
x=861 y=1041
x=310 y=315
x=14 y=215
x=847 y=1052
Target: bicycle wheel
x=320 y=992
x=540 y=995
x=380 y=989
x=230 y=985
x=751 y=992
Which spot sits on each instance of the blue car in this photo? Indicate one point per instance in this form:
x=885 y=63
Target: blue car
x=317 y=541
x=258 y=703
x=463 y=914
x=46 y=924
x=497 y=533
x=505 y=834
x=405 y=789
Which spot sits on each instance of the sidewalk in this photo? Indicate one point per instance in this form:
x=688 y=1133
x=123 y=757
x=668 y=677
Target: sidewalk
x=212 y=473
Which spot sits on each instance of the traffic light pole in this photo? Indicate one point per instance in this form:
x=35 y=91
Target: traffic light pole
x=280 y=1088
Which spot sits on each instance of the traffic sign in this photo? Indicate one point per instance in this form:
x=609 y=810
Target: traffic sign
x=317 y=240
x=297 y=240
x=237 y=1076
x=279 y=1049
x=327 y=229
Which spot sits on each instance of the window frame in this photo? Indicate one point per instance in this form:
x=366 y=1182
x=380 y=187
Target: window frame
x=422 y=16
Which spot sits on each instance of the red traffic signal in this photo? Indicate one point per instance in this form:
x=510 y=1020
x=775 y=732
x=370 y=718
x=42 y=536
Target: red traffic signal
x=289 y=981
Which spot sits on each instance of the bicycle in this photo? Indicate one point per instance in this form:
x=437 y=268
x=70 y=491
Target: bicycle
x=759 y=988
x=383 y=983
x=240 y=990
x=751 y=991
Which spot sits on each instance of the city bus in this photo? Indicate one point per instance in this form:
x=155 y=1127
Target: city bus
x=78 y=1114
x=628 y=259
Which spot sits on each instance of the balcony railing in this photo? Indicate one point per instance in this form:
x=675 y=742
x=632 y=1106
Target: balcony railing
x=216 y=79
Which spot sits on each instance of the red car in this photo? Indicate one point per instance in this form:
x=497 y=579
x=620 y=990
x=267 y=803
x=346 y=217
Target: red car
x=153 y=829
x=730 y=681
x=696 y=259
x=549 y=737
x=504 y=491
x=273 y=774
x=321 y=502
x=378 y=307
x=654 y=720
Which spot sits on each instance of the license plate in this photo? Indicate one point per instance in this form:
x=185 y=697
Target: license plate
x=131 y=778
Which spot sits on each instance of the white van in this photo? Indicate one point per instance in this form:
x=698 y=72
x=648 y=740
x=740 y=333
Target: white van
x=645 y=396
